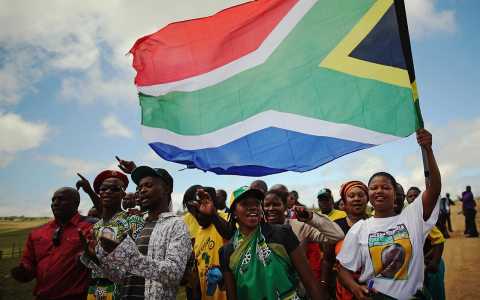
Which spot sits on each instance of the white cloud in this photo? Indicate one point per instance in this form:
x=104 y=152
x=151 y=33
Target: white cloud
x=425 y=18
x=72 y=166
x=113 y=127
x=82 y=40
x=17 y=135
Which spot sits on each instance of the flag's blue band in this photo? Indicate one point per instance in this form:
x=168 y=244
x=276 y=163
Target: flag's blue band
x=287 y=150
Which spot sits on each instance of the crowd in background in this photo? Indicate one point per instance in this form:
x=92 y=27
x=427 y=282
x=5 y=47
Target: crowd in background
x=376 y=242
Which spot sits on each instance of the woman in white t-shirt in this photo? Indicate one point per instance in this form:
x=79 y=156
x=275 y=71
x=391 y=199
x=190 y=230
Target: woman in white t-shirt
x=387 y=249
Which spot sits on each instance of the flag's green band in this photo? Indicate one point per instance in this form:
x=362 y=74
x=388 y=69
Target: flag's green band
x=359 y=102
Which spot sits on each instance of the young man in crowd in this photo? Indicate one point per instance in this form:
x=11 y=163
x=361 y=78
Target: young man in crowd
x=152 y=265
x=325 y=203
x=52 y=251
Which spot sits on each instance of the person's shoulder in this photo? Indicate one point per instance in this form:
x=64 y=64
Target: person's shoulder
x=360 y=225
x=42 y=228
x=171 y=219
x=86 y=220
x=337 y=214
x=280 y=233
x=276 y=228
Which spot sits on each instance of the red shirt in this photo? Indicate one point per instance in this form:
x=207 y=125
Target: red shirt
x=58 y=270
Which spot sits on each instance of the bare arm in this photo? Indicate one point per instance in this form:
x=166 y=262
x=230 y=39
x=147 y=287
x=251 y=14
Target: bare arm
x=230 y=285
x=222 y=226
x=346 y=278
x=433 y=260
x=434 y=186
x=328 y=262
x=300 y=263
x=87 y=188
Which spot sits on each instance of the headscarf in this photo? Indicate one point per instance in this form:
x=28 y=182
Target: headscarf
x=347 y=186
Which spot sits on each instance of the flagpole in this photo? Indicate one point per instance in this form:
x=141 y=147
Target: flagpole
x=407 y=52
x=426 y=169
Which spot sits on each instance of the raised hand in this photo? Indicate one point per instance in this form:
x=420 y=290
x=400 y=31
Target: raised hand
x=108 y=245
x=204 y=203
x=88 y=246
x=84 y=184
x=126 y=166
x=424 y=138
x=302 y=213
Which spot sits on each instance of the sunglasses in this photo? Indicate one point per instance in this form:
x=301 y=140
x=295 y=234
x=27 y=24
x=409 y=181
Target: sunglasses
x=112 y=188
x=57 y=234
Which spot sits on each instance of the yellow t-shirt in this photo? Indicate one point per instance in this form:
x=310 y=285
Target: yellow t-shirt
x=207 y=243
x=336 y=214
x=435 y=236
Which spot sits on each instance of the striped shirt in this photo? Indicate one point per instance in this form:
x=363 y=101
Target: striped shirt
x=134 y=286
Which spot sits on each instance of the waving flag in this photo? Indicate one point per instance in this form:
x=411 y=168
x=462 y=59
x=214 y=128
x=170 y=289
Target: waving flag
x=277 y=85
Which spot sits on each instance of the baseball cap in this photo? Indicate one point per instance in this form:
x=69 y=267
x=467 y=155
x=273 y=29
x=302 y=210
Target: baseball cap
x=324 y=193
x=245 y=192
x=146 y=171
x=108 y=174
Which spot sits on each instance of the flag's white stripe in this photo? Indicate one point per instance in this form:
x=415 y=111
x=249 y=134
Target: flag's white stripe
x=264 y=120
x=245 y=62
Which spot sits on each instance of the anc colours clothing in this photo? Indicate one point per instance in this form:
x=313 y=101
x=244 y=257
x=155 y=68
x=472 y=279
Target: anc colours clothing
x=389 y=251
x=207 y=244
x=117 y=228
x=262 y=259
x=336 y=214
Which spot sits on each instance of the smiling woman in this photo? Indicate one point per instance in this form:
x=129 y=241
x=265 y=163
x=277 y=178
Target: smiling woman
x=387 y=249
x=259 y=254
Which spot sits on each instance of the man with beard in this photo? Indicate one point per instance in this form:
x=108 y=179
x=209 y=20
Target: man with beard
x=155 y=262
x=52 y=251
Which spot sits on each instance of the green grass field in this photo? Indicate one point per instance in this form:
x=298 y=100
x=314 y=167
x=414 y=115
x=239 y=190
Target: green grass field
x=16 y=232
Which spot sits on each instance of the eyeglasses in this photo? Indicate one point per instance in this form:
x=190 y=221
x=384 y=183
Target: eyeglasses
x=57 y=234
x=112 y=188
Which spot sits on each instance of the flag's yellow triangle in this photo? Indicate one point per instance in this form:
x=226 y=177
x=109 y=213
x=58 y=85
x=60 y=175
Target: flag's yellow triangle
x=339 y=60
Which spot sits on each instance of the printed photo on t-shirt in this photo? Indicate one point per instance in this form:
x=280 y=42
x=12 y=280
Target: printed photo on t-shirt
x=391 y=252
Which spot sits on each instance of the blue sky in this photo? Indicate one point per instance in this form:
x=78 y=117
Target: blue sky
x=68 y=103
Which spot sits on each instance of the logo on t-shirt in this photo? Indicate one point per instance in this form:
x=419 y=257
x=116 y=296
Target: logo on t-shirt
x=391 y=252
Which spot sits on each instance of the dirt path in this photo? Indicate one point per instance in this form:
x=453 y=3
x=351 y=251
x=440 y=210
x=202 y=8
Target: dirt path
x=462 y=259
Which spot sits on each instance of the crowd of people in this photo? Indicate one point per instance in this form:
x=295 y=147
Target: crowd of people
x=259 y=243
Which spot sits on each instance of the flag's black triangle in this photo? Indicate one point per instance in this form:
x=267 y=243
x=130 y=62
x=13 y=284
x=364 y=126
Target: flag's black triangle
x=382 y=45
